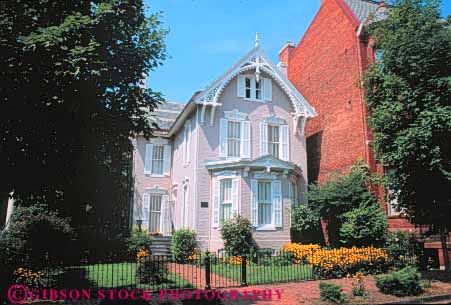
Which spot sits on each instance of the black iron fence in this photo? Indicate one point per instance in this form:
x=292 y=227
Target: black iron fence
x=209 y=271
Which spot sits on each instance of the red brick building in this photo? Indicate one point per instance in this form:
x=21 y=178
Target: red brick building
x=327 y=67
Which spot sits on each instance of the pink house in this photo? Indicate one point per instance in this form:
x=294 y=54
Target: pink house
x=237 y=147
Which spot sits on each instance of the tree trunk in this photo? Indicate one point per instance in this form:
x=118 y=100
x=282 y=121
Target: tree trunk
x=443 y=239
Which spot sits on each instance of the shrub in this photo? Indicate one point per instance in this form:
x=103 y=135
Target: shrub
x=152 y=270
x=139 y=240
x=404 y=282
x=183 y=245
x=305 y=219
x=398 y=246
x=332 y=293
x=364 y=226
x=340 y=195
x=37 y=235
x=237 y=236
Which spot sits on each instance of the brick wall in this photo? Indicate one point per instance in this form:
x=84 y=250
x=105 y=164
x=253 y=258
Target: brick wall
x=325 y=68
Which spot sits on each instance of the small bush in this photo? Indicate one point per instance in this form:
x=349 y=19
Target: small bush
x=332 y=293
x=305 y=219
x=237 y=236
x=183 y=245
x=404 y=282
x=152 y=270
x=364 y=226
x=37 y=235
x=398 y=246
x=139 y=240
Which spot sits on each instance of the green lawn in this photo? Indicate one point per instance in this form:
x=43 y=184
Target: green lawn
x=124 y=275
x=258 y=274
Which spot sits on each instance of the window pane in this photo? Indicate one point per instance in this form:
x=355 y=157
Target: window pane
x=226 y=200
x=157 y=159
x=155 y=213
x=234 y=139
x=258 y=90
x=264 y=203
x=273 y=140
x=248 y=87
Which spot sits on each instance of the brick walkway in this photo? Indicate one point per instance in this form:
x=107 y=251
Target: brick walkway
x=307 y=293
x=196 y=276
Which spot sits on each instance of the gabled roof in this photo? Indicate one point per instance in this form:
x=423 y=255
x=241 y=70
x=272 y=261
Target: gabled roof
x=362 y=9
x=165 y=114
x=256 y=59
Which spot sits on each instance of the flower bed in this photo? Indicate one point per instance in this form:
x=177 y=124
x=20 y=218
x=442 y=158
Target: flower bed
x=341 y=261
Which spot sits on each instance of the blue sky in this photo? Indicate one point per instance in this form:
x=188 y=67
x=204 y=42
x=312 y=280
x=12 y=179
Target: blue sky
x=208 y=36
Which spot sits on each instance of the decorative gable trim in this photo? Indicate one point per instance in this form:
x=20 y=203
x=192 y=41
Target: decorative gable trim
x=258 y=61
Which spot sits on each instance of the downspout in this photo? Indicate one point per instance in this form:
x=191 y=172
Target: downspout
x=362 y=97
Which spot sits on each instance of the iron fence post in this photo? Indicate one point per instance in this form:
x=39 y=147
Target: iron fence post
x=243 y=271
x=207 y=271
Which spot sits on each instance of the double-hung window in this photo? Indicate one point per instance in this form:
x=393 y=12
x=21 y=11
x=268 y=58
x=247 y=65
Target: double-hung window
x=157 y=159
x=233 y=139
x=264 y=203
x=274 y=140
x=226 y=200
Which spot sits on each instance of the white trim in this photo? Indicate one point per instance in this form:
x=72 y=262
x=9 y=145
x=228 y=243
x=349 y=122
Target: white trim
x=275 y=120
x=257 y=60
x=235 y=115
x=225 y=174
x=265 y=175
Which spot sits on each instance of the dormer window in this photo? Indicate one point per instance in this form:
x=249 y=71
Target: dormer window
x=251 y=89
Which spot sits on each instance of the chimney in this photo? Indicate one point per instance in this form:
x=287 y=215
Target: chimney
x=284 y=56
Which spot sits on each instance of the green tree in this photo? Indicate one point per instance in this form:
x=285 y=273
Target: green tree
x=71 y=96
x=340 y=195
x=364 y=226
x=408 y=93
x=237 y=236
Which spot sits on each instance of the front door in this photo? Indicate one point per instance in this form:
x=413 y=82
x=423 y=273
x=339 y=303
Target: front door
x=155 y=214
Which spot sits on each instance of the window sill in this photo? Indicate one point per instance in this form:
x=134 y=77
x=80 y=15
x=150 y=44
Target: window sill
x=254 y=100
x=266 y=228
x=156 y=175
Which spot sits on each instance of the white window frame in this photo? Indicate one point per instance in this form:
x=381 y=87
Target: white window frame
x=238 y=139
x=149 y=158
x=245 y=135
x=276 y=206
x=269 y=225
x=217 y=199
x=247 y=88
x=155 y=147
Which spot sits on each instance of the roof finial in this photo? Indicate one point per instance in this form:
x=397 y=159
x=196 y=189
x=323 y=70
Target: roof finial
x=257 y=40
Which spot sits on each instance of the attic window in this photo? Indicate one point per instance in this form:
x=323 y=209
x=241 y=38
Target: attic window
x=251 y=89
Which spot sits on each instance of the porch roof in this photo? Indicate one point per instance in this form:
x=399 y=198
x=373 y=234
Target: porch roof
x=267 y=162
